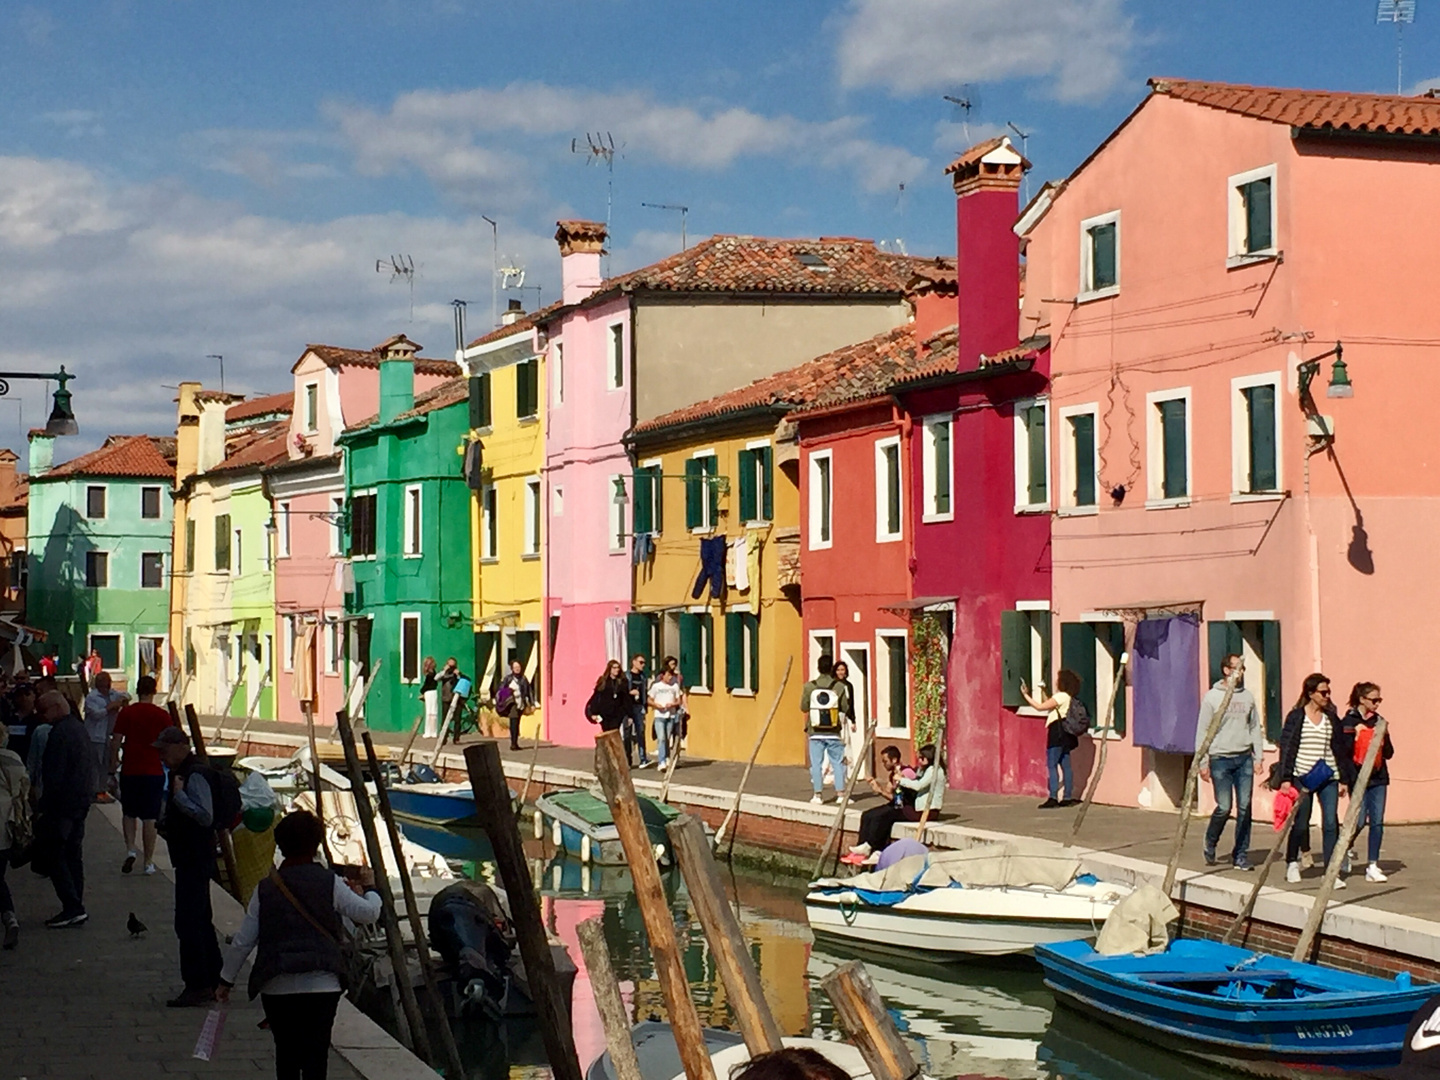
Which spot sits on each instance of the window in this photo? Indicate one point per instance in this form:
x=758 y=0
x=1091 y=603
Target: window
x=649 y=499
x=95 y=502
x=490 y=525
x=362 y=525
x=939 y=467
x=1252 y=216
x=337 y=525
x=822 y=643
x=1168 y=439
x=239 y=553
x=532 y=517
x=617 y=356
x=1255 y=434
x=1024 y=652
x=1092 y=650
x=108 y=646
x=1032 y=456
x=821 y=499
x=742 y=652
x=282 y=530
x=617 y=515
x=1100 y=256
x=333 y=648
x=527 y=389
x=312 y=407
x=1254 y=635
x=887 y=489
x=702 y=496
x=412 y=523
x=892 y=682
x=222 y=543
x=409 y=648
x=757 y=496
x=97 y=569
x=1079 y=458
x=190 y=545
x=150 y=502
x=557 y=374
x=697 y=657
x=152 y=570
x=287 y=642
x=642 y=635
x=480 y=401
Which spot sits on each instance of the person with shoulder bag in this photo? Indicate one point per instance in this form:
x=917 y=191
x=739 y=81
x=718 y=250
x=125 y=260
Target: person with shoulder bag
x=294 y=919
x=1062 y=734
x=15 y=830
x=1356 y=731
x=1311 y=747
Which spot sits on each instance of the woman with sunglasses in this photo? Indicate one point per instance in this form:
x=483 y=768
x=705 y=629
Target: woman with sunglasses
x=1311 y=748
x=1356 y=730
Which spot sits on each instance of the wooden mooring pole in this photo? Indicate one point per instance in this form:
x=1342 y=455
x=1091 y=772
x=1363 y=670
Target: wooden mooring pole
x=863 y=1015
x=609 y=1003
x=222 y=832
x=754 y=753
x=1117 y=687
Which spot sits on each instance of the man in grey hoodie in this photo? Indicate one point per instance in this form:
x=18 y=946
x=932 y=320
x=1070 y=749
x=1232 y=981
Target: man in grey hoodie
x=1231 y=763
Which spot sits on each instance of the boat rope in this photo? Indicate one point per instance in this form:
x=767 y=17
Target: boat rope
x=848 y=911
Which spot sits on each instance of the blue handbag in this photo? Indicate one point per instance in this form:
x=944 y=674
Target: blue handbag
x=1319 y=775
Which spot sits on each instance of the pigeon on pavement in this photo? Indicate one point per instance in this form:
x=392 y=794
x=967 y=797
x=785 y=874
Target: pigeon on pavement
x=135 y=926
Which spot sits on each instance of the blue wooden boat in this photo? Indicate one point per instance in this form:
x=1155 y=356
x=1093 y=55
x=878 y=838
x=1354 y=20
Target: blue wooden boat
x=1244 y=1010
x=440 y=803
x=581 y=825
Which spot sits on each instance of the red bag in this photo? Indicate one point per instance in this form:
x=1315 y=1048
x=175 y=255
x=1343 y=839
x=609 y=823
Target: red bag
x=1363 y=735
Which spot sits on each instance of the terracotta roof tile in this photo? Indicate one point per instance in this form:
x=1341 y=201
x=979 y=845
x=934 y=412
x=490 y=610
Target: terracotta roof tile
x=1318 y=110
x=525 y=322
x=261 y=406
x=266 y=445
x=438 y=397
x=336 y=357
x=141 y=456
x=975 y=153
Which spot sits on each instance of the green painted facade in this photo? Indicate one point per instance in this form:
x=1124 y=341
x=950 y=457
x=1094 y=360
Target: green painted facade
x=415 y=574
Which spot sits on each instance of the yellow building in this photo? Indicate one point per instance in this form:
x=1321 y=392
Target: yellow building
x=722 y=475
x=507 y=419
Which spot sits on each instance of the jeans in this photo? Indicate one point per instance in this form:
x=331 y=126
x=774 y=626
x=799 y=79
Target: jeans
x=822 y=747
x=1329 y=797
x=301 y=1024
x=664 y=731
x=1233 y=777
x=67 y=873
x=1057 y=764
x=200 y=959
x=635 y=735
x=7 y=903
x=1373 y=815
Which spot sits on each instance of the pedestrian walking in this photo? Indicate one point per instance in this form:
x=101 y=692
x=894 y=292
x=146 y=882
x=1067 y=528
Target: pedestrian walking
x=639 y=702
x=609 y=705
x=14 y=811
x=67 y=791
x=299 y=972
x=823 y=703
x=514 y=698
x=142 y=773
x=1310 y=749
x=102 y=705
x=430 y=697
x=1060 y=740
x=1231 y=762
x=666 y=698
x=1356 y=732
x=448 y=679
x=187 y=821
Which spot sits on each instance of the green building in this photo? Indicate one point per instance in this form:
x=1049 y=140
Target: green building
x=408 y=528
x=98 y=540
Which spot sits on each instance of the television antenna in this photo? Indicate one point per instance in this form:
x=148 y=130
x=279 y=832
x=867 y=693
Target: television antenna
x=1025 y=153
x=1398 y=12
x=965 y=103
x=684 y=212
x=217 y=356
x=400 y=266
x=601 y=147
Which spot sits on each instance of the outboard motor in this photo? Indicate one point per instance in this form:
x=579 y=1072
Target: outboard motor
x=469 y=929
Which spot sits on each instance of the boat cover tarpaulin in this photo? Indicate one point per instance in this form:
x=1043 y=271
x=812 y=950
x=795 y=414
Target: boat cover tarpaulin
x=1139 y=924
x=1013 y=864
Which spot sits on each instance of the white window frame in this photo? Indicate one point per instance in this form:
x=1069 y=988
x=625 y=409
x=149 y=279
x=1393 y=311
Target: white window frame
x=815 y=652
x=533 y=502
x=282 y=530
x=882 y=508
x=557 y=373
x=1155 y=449
x=287 y=642
x=489 y=524
x=851 y=654
x=757 y=464
x=367 y=493
x=707 y=524
x=1087 y=269
x=413 y=525
x=310 y=403
x=820 y=520
x=333 y=628
x=237 y=552
x=616 y=515
x=881 y=707
x=412 y=616
x=1037 y=611
x=615 y=364
x=927 y=461
x=749 y=648
x=119 y=647
x=1065 y=497
x=1235 y=251
x=1240 y=438
x=1022 y=457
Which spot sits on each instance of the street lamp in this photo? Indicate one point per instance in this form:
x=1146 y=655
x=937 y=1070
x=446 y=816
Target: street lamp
x=62 y=417
x=1340 y=385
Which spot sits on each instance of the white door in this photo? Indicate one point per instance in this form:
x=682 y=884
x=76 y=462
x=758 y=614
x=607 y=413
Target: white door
x=857 y=656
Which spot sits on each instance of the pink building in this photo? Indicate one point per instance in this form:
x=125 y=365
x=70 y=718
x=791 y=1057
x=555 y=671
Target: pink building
x=1194 y=276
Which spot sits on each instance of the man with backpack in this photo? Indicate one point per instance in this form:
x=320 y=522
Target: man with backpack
x=199 y=801
x=1235 y=753
x=824 y=702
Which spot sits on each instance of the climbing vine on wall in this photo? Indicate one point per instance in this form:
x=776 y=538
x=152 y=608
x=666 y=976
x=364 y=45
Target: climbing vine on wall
x=929 y=681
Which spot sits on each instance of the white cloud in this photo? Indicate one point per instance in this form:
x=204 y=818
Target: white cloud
x=920 y=46
x=75 y=122
x=1423 y=86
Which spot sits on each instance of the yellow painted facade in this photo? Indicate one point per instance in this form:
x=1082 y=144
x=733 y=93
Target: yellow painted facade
x=744 y=642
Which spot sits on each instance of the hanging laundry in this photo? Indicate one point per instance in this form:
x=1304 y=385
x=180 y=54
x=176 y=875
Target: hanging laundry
x=742 y=564
x=731 y=565
x=712 y=568
x=755 y=540
x=644 y=548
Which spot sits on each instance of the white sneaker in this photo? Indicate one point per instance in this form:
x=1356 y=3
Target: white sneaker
x=1306 y=860
x=1345 y=864
x=816 y=799
x=1339 y=883
x=149 y=868
x=860 y=849
x=1374 y=873
x=1292 y=873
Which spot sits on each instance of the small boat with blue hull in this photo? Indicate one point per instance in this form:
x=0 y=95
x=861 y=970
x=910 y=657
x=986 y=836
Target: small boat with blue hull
x=1247 y=1011
x=581 y=825
x=439 y=803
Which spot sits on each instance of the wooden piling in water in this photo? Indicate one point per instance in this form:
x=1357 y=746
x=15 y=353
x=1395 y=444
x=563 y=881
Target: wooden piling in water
x=838 y=825
x=608 y=1001
x=754 y=753
x=1237 y=926
x=863 y=1015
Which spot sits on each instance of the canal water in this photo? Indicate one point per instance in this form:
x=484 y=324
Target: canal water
x=981 y=1021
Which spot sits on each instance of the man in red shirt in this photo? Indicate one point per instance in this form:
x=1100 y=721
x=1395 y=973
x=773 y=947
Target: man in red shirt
x=142 y=774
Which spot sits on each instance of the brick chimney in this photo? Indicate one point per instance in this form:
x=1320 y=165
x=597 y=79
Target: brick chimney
x=397 y=376
x=581 y=244
x=987 y=185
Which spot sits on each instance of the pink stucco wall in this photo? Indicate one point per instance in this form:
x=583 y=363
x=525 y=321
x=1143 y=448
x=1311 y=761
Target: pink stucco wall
x=1356 y=268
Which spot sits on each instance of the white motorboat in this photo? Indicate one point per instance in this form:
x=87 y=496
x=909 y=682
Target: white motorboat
x=993 y=900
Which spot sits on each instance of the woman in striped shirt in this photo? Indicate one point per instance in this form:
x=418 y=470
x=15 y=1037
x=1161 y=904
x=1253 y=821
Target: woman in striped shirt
x=1311 y=736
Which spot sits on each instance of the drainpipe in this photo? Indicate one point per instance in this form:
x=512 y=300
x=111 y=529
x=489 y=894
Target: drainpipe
x=1311 y=450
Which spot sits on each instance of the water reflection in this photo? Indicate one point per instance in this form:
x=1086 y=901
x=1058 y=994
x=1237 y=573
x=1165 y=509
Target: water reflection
x=990 y=1021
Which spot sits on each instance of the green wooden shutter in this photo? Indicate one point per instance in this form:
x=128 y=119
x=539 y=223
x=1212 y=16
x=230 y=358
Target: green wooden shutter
x=1260 y=405
x=898 y=682
x=644 y=509
x=657 y=496
x=1036 y=492
x=1077 y=652
x=1274 y=708
x=747 y=486
x=689 y=649
x=694 y=508
x=707 y=630
x=222 y=542
x=767 y=485
x=1083 y=429
x=710 y=467
x=1176 y=483
x=1113 y=635
x=1224 y=638
x=734 y=650
x=190 y=545
x=941 y=466
x=1102 y=256
x=1256 y=195
x=480 y=400
x=1014 y=656
x=639 y=637
x=752 y=623
x=892 y=489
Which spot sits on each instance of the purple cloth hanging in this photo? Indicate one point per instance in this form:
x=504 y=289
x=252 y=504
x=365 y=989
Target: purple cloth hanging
x=1165 y=671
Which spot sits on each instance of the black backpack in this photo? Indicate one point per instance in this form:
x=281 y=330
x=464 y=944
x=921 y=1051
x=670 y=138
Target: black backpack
x=224 y=794
x=1077 y=720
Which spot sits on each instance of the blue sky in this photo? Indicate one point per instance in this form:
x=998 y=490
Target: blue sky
x=180 y=178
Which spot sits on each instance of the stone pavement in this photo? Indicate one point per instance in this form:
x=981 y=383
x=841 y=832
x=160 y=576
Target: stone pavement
x=90 y=1002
